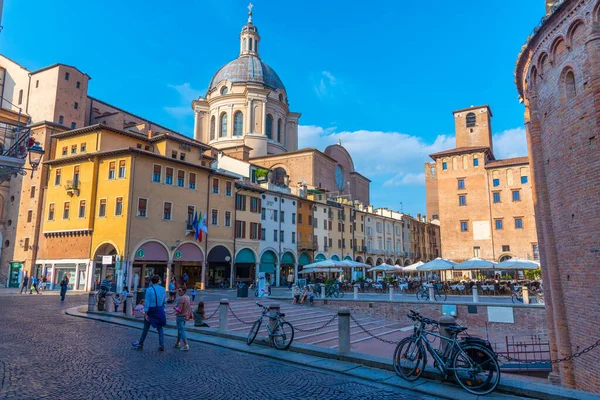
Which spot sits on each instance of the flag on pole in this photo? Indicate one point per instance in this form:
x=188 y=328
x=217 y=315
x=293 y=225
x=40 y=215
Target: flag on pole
x=202 y=226
x=195 y=223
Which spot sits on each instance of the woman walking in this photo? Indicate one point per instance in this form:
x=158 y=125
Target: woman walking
x=64 y=285
x=183 y=311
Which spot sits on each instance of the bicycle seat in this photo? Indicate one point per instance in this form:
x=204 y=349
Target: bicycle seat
x=282 y=314
x=456 y=329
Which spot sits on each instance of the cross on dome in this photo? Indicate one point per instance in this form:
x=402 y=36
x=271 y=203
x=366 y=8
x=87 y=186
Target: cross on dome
x=250 y=12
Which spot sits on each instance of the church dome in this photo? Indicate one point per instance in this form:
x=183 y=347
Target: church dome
x=246 y=69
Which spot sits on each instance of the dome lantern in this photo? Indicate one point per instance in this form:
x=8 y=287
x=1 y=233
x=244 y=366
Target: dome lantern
x=249 y=37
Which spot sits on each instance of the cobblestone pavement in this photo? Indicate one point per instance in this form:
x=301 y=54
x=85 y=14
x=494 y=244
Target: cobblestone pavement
x=45 y=354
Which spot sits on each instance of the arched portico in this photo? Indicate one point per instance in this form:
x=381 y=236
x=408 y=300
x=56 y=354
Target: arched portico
x=219 y=266
x=188 y=258
x=268 y=264
x=150 y=257
x=287 y=267
x=245 y=266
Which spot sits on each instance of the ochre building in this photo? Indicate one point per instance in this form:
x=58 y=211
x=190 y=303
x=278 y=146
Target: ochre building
x=558 y=77
x=484 y=205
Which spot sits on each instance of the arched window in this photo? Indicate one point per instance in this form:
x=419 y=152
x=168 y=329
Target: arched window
x=250 y=44
x=212 y=128
x=238 y=123
x=224 y=90
x=280 y=97
x=279 y=176
x=571 y=90
x=245 y=45
x=471 y=120
x=223 y=129
x=279 y=130
x=269 y=124
x=20 y=96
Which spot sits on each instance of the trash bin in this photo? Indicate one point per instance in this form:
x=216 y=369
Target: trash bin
x=242 y=291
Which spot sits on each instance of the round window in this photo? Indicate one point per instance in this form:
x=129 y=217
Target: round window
x=224 y=90
x=6 y=244
x=283 y=200
x=264 y=197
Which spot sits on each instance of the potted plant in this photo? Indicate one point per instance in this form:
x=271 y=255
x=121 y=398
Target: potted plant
x=261 y=175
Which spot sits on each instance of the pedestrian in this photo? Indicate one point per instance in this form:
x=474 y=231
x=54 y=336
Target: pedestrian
x=64 y=285
x=199 y=315
x=34 y=282
x=138 y=311
x=154 y=306
x=185 y=279
x=183 y=313
x=24 y=283
x=124 y=298
x=172 y=290
x=117 y=301
x=290 y=280
x=193 y=294
x=44 y=283
x=296 y=295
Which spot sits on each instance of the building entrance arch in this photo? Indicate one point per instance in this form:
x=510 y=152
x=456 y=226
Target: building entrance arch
x=102 y=270
x=219 y=266
x=268 y=263
x=150 y=258
x=245 y=266
x=288 y=262
x=188 y=259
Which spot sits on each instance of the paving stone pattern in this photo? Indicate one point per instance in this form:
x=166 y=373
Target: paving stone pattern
x=45 y=354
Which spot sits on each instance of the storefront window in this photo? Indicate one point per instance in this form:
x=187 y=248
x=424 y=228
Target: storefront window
x=61 y=270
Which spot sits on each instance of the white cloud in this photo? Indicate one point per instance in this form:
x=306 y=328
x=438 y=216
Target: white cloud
x=325 y=82
x=186 y=95
x=406 y=179
x=510 y=143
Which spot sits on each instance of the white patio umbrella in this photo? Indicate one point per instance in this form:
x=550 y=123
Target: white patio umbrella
x=412 y=267
x=518 y=264
x=439 y=264
x=385 y=268
x=355 y=264
x=476 y=263
x=314 y=270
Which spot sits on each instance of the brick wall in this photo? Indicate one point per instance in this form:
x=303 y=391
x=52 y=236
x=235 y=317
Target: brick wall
x=563 y=117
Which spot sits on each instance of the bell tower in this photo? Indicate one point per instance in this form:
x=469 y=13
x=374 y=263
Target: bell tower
x=249 y=37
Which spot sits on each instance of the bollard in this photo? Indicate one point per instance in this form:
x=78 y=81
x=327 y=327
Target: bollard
x=356 y=286
x=129 y=305
x=322 y=290
x=92 y=301
x=344 y=330
x=223 y=308
x=109 y=304
x=475 y=295
x=431 y=292
x=446 y=321
x=525 y=295
x=391 y=293
x=273 y=310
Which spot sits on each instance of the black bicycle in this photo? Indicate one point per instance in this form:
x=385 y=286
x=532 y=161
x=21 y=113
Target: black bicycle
x=334 y=291
x=281 y=334
x=438 y=295
x=471 y=360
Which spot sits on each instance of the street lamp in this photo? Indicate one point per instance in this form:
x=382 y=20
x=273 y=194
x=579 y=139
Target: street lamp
x=36 y=152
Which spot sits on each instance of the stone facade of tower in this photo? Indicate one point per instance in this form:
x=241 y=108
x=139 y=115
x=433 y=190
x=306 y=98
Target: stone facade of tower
x=558 y=77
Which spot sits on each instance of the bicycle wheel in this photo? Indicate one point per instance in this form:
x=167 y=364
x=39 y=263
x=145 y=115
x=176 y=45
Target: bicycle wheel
x=283 y=336
x=336 y=293
x=422 y=295
x=476 y=369
x=409 y=359
x=516 y=299
x=439 y=296
x=340 y=294
x=254 y=331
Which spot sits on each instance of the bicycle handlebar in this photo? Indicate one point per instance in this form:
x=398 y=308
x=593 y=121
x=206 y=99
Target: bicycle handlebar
x=264 y=307
x=415 y=316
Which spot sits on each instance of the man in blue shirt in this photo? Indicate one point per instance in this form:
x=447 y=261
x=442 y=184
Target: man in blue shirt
x=155 y=313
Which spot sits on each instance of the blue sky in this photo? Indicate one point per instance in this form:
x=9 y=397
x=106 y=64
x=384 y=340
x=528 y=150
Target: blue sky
x=383 y=77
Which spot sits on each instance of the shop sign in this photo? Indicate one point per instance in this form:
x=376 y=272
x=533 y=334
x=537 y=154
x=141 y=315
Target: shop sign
x=178 y=254
x=140 y=253
x=107 y=260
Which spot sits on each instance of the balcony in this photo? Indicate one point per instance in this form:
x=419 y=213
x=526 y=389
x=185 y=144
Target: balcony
x=308 y=245
x=13 y=150
x=72 y=187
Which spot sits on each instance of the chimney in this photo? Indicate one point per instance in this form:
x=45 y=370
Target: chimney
x=150 y=133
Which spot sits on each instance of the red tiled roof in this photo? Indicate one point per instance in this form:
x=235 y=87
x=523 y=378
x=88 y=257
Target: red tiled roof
x=507 y=161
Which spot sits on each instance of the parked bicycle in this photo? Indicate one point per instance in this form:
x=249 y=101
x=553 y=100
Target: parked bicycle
x=282 y=334
x=471 y=360
x=334 y=291
x=438 y=294
x=534 y=294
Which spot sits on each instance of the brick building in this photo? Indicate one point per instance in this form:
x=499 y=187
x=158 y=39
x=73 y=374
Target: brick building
x=484 y=205
x=558 y=77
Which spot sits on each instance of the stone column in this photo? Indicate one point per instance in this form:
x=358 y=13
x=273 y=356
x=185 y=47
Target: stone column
x=109 y=304
x=446 y=321
x=230 y=122
x=323 y=291
x=391 y=288
x=203 y=277
x=277 y=274
x=431 y=292
x=475 y=294
x=344 y=330
x=264 y=117
x=223 y=310
x=249 y=117
x=295 y=273
x=129 y=305
x=356 y=286
x=169 y=274
x=92 y=301
x=273 y=310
